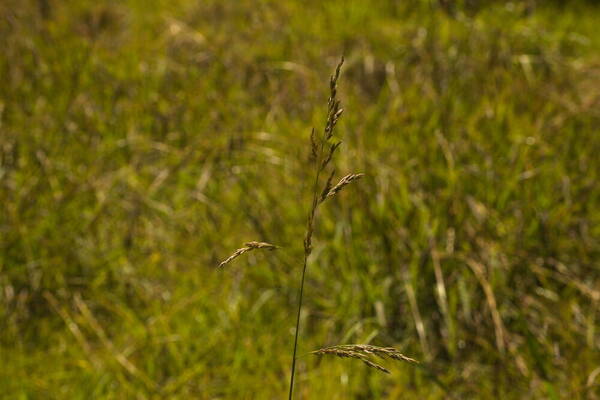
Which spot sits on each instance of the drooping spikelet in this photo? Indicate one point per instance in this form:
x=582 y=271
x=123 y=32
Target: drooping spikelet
x=363 y=351
x=249 y=246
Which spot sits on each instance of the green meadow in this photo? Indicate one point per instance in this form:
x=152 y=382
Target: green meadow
x=143 y=142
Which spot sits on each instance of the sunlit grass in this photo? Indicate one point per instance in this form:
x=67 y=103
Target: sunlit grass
x=140 y=142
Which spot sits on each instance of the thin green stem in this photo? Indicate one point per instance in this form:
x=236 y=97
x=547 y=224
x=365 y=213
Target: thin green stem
x=297 y=328
x=307 y=251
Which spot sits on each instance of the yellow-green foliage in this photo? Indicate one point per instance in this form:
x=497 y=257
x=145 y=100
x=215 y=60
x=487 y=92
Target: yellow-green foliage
x=142 y=141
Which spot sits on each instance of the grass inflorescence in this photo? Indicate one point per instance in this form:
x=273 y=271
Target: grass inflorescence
x=363 y=352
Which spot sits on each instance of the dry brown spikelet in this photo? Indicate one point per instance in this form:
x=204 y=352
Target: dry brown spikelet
x=363 y=351
x=340 y=185
x=248 y=246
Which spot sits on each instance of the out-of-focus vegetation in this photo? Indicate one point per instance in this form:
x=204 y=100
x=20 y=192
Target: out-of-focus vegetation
x=142 y=141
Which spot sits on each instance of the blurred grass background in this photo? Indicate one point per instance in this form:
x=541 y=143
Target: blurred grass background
x=142 y=141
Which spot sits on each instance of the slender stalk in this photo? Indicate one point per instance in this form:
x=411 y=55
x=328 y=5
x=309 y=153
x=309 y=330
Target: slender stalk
x=307 y=251
x=297 y=329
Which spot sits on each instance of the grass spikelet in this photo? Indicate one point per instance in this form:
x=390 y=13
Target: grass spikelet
x=332 y=148
x=248 y=246
x=363 y=352
x=340 y=185
x=376 y=366
x=314 y=147
x=333 y=104
x=382 y=352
